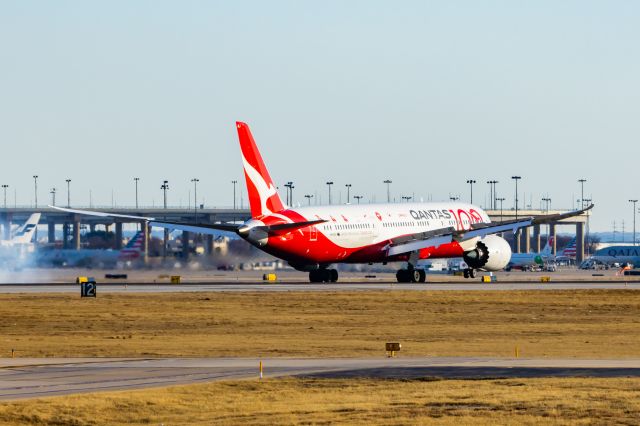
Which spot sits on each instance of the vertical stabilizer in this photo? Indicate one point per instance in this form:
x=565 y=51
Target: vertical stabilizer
x=263 y=197
x=133 y=249
x=25 y=233
x=547 y=250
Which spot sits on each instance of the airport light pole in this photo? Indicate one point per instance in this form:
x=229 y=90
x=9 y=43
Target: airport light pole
x=165 y=187
x=136 y=179
x=471 y=182
x=492 y=191
x=588 y=200
x=308 y=197
x=35 y=190
x=634 y=220
x=582 y=181
x=68 y=192
x=234 y=193
x=53 y=196
x=289 y=186
x=329 y=185
x=358 y=197
x=4 y=188
x=348 y=193
x=516 y=179
x=195 y=198
x=501 y=200
x=547 y=200
x=388 y=182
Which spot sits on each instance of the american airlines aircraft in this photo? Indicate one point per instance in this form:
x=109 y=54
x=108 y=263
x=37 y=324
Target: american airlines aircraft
x=314 y=238
x=93 y=257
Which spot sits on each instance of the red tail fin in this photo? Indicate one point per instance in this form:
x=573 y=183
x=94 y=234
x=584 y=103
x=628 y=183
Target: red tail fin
x=263 y=197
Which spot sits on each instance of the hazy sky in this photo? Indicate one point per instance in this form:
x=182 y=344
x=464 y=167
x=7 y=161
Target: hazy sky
x=428 y=94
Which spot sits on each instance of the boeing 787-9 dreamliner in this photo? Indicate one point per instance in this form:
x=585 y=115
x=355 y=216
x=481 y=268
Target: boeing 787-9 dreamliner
x=314 y=238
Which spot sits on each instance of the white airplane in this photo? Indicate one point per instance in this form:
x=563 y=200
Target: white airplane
x=314 y=238
x=617 y=254
x=531 y=260
x=21 y=242
x=24 y=234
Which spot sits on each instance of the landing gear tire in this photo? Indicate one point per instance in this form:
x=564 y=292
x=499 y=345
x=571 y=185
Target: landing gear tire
x=403 y=276
x=411 y=276
x=323 y=276
x=469 y=273
x=315 y=276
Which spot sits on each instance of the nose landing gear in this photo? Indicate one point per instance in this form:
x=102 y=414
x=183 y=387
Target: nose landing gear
x=469 y=273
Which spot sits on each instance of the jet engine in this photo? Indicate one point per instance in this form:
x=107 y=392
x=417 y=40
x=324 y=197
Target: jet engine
x=492 y=253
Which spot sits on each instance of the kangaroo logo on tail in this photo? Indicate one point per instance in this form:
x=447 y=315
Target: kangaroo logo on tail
x=263 y=197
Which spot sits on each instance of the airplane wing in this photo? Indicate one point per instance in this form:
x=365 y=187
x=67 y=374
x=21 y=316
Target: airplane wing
x=101 y=214
x=202 y=228
x=180 y=226
x=438 y=237
x=205 y=228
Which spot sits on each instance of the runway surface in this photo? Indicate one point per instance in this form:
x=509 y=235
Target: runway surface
x=285 y=287
x=39 y=377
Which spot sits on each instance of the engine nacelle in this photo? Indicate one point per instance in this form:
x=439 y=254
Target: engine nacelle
x=492 y=253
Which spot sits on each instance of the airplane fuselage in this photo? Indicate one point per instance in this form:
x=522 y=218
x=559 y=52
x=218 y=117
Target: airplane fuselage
x=361 y=233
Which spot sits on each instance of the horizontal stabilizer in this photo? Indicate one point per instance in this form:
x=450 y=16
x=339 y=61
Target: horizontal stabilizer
x=285 y=228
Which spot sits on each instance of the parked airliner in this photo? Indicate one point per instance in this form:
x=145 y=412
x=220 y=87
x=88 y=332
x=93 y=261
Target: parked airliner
x=19 y=247
x=314 y=238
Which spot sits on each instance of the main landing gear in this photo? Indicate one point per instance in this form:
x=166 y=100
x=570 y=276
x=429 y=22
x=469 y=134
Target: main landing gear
x=469 y=273
x=411 y=276
x=323 y=275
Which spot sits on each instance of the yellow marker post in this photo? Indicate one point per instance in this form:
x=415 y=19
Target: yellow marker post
x=260 y=370
x=517 y=352
x=13 y=353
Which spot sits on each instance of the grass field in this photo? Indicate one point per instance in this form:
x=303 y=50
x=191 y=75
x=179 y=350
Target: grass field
x=361 y=401
x=580 y=323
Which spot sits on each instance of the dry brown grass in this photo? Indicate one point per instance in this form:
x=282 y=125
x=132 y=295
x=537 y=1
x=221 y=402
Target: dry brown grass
x=361 y=401
x=584 y=323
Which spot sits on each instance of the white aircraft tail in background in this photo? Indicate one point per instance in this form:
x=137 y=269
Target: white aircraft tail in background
x=24 y=234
